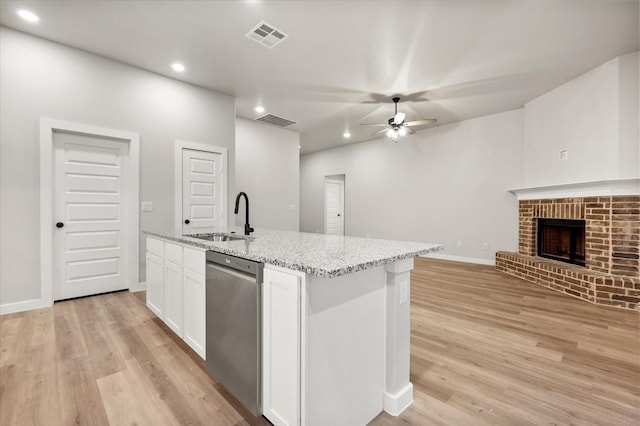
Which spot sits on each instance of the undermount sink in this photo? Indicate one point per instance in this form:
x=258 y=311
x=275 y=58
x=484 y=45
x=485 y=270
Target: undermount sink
x=216 y=237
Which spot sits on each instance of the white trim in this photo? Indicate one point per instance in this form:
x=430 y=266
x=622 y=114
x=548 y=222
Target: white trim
x=596 y=188
x=26 y=305
x=477 y=260
x=47 y=127
x=142 y=286
x=177 y=158
x=396 y=404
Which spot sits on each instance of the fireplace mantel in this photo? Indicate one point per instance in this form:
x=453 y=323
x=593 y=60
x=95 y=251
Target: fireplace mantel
x=596 y=188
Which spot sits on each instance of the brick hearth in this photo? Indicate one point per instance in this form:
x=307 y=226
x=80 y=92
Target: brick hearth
x=611 y=275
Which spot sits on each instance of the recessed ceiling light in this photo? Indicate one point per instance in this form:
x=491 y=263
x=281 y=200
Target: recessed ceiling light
x=178 y=67
x=28 y=16
x=346 y=135
x=259 y=109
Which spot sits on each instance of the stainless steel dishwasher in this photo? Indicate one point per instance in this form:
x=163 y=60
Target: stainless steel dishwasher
x=234 y=322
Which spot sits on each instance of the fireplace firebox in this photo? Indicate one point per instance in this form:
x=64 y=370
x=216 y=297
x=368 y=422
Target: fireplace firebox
x=562 y=239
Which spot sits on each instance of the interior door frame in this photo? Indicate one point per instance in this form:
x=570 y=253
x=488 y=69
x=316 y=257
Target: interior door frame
x=196 y=146
x=47 y=128
x=328 y=179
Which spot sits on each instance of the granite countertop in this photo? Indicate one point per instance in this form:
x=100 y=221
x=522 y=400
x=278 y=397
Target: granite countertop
x=315 y=254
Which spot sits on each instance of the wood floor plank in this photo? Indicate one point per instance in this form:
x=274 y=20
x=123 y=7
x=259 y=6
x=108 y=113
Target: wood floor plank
x=105 y=361
x=10 y=336
x=79 y=396
x=69 y=339
x=129 y=399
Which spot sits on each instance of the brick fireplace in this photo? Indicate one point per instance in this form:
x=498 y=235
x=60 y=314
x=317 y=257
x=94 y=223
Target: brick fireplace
x=611 y=274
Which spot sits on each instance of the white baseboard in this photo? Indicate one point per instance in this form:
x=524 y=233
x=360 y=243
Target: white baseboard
x=140 y=287
x=27 y=305
x=396 y=404
x=490 y=262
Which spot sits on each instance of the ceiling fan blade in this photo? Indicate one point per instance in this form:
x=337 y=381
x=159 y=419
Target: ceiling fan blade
x=374 y=124
x=380 y=131
x=399 y=118
x=408 y=129
x=421 y=122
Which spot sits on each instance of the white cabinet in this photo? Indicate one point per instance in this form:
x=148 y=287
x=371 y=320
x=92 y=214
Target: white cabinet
x=324 y=347
x=176 y=289
x=155 y=283
x=281 y=346
x=174 y=298
x=195 y=304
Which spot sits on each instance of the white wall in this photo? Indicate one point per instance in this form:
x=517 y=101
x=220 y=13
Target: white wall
x=594 y=117
x=39 y=78
x=440 y=185
x=629 y=111
x=267 y=169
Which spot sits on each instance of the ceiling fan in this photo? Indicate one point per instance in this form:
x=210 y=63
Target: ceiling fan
x=397 y=126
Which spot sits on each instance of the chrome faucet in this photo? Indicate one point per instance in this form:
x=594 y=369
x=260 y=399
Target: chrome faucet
x=247 y=228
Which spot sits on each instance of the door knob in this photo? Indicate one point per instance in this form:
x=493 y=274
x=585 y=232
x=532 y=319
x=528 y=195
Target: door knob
x=187 y=221
x=59 y=225
x=338 y=214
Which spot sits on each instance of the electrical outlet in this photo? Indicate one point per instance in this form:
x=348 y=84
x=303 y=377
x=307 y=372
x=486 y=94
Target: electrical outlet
x=485 y=245
x=292 y=207
x=459 y=244
x=404 y=292
x=147 y=206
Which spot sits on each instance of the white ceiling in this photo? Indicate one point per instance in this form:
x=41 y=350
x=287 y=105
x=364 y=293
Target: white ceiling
x=448 y=59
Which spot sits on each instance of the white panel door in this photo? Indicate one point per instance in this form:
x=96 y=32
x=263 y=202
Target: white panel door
x=201 y=191
x=90 y=215
x=333 y=208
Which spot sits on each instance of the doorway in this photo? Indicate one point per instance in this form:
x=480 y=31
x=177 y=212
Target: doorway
x=88 y=210
x=334 y=212
x=200 y=187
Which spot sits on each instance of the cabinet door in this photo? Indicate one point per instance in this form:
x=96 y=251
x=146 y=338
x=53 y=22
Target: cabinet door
x=194 y=311
x=281 y=347
x=174 y=301
x=155 y=284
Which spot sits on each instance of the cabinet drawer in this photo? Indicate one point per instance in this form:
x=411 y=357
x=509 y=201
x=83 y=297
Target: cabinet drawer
x=194 y=260
x=173 y=252
x=155 y=246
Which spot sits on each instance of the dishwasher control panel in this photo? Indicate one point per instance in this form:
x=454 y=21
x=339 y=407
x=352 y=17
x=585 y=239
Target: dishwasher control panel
x=239 y=264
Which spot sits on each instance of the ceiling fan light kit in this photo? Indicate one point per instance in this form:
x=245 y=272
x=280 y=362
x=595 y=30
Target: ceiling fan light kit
x=397 y=127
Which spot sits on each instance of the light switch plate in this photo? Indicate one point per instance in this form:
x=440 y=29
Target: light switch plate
x=147 y=206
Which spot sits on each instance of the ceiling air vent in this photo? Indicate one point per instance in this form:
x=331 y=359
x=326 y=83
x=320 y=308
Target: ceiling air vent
x=266 y=34
x=276 y=121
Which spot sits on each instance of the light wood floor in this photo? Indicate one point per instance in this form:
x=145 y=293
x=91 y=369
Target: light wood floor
x=486 y=349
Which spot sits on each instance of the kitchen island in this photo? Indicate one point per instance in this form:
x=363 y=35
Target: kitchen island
x=335 y=318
